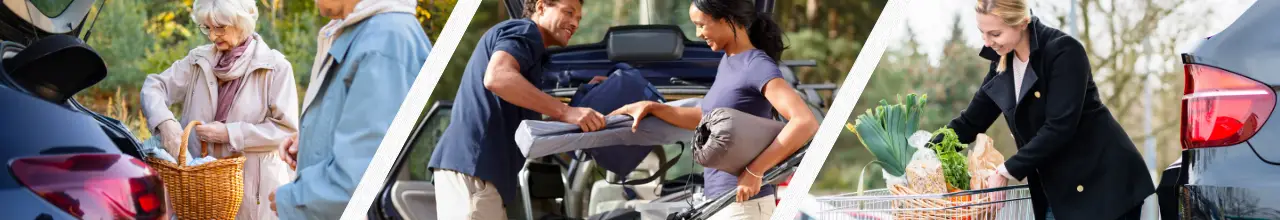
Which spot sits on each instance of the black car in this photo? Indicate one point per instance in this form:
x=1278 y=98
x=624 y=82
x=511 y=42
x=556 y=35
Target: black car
x=62 y=160
x=1230 y=165
x=662 y=53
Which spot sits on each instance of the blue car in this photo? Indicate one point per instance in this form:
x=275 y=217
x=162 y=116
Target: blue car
x=62 y=160
x=558 y=186
x=1230 y=165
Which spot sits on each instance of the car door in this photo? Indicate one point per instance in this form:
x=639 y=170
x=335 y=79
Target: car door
x=409 y=193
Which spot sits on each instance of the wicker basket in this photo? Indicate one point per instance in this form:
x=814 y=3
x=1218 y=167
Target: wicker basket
x=211 y=190
x=958 y=207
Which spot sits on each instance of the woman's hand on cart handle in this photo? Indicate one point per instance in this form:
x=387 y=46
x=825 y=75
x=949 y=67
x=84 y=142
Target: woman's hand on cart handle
x=994 y=181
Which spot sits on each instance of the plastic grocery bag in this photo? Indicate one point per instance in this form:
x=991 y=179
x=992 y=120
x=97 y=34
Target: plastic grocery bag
x=152 y=148
x=924 y=172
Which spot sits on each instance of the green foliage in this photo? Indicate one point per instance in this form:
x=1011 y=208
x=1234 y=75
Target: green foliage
x=950 y=82
x=51 y=8
x=955 y=167
x=291 y=27
x=835 y=55
x=490 y=13
x=885 y=128
x=138 y=37
x=432 y=14
x=119 y=38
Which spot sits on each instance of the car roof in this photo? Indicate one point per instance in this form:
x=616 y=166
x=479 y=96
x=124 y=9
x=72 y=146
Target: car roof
x=515 y=8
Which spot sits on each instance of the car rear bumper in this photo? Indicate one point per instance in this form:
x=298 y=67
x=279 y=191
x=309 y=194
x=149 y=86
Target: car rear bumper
x=1230 y=183
x=20 y=203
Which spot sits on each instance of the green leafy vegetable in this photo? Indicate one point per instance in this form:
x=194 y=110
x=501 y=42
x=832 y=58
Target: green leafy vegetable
x=885 y=129
x=954 y=165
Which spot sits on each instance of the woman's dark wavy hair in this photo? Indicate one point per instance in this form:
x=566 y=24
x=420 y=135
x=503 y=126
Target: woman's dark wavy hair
x=763 y=31
x=531 y=6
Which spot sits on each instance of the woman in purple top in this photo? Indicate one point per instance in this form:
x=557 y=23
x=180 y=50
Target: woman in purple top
x=748 y=80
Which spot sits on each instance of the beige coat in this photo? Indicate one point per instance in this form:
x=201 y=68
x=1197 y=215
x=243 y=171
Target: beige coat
x=265 y=113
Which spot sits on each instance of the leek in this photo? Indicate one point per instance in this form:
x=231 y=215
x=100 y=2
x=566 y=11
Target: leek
x=884 y=130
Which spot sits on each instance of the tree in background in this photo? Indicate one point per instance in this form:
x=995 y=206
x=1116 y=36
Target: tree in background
x=950 y=83
x=137 y=38
x=1127 y=42
x=833 y=41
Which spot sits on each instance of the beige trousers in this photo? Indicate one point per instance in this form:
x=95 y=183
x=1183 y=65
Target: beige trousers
x=461 y=196
x=755 y=209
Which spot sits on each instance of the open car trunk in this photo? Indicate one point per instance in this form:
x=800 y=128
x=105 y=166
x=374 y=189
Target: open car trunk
x=678 y=67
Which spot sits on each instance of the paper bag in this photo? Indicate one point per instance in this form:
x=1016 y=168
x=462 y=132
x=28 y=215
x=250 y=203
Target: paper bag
x=983 y=154
x=983 y=160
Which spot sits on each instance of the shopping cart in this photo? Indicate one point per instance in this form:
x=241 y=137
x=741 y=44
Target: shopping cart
x=1009 y=202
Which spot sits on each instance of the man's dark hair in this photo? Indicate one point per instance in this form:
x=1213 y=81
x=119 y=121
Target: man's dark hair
x=531 y=6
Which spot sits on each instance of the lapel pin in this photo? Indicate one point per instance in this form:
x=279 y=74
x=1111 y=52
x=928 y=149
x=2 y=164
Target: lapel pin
x=1037 y=94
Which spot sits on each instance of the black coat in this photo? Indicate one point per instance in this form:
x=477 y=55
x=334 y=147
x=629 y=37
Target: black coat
x=1070 y=147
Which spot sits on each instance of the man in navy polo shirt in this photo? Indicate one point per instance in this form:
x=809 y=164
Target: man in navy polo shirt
x=476 y=162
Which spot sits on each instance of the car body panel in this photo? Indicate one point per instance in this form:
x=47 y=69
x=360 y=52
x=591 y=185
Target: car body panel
x=1238 y=181
x=1250 y=47
x=17 y=207
x=39 y=127
x=34 y=127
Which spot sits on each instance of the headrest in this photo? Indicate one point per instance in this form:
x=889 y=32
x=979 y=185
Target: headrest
x=645 y=43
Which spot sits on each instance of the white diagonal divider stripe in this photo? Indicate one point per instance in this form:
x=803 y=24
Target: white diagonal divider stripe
x=886 y=28
x=375 y=175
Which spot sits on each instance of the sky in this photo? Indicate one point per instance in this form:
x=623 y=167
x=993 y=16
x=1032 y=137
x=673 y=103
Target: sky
x=931 y=20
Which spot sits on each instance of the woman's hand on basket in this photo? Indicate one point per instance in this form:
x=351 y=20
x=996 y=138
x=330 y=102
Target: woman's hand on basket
x=748 y=185
x=996 y=180
x=637 y=111
x=289 y=151
x=213 y=132
x=170 y=136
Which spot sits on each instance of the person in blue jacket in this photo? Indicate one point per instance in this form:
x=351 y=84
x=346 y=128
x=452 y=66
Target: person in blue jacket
x=475 y=163
x=368 y=57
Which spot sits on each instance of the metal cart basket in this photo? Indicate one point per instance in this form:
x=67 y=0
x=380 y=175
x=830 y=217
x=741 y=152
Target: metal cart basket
x=1010 y=202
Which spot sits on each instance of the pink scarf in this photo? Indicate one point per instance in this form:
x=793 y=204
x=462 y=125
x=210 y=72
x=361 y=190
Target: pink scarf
x=228 y=90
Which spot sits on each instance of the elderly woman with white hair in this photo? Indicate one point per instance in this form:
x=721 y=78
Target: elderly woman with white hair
x=242 y=90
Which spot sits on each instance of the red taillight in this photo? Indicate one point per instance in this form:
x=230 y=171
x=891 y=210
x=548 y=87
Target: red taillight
x=776 y=199
x=94 y=186
x=1221 y=108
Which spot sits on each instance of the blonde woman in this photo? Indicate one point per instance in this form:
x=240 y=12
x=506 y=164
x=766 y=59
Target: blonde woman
x=1076 y=158
x=240 y=88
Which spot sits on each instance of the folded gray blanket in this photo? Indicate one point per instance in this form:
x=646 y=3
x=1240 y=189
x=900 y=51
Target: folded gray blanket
x=538 y=138
x=728 y=139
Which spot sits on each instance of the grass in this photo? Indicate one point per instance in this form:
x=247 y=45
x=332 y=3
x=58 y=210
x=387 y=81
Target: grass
x=117 y=105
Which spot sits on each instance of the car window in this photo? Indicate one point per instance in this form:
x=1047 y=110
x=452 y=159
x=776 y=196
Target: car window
x=51 y=8
x=599 y=16
x=425 y=143
x=685 y=164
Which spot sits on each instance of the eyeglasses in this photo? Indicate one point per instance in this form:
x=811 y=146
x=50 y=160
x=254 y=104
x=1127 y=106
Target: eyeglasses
x=206 y=29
